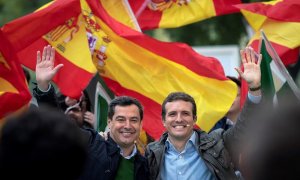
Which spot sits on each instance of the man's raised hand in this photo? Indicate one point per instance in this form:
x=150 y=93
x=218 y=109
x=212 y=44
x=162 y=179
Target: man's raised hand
x=45 y=69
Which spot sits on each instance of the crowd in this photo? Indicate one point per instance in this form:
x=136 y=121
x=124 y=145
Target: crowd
x=62 y=144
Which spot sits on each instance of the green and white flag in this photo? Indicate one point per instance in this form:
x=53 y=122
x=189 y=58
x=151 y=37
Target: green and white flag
x=100 y=96
x=276 y=82
x=103 y=97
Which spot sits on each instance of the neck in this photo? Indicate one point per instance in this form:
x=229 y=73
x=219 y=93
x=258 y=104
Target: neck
x=127 y=150
x=178 y=143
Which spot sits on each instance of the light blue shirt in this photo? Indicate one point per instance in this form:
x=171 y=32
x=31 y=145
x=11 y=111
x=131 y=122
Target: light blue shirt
x=186 y=164
x=254 y=99
x=134 y=151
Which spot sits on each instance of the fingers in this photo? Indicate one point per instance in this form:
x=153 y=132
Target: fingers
x=38 y=57
x=89 y=116
x=240 y=72
x=44 y=53
x=57 y=68
x=48 y=54
x=104 y=135
x=52 y=54
x=248 y=55
x=252 y=55
x=259 y=59
x=101 y=133
x=88 y=120
x=242 y=53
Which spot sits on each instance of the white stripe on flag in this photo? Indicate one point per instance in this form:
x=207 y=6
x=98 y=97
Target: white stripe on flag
x=277 y=76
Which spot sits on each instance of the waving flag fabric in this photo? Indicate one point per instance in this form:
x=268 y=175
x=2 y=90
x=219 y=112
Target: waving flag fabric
x=142 y=67
x=276 y=81
x=130 y=62
x=61 y=25
x=121 y=11
x=174 y=13
x=14 y=92
x=280 y=21
x=67 y=34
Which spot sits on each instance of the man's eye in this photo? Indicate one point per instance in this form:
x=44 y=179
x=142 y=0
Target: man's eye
x=186 y=113
x=134 y=120
x=172 y=114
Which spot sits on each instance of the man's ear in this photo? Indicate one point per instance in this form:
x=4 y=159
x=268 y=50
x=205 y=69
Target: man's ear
x=164 y=122
x=141 y=126
x=109 y=122
x=195 y=119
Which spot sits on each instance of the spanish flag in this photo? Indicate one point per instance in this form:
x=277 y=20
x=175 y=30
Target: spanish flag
x=14 y=92
x=280 y=21
x=174 y=13
x=61 y=25
x=131 y=63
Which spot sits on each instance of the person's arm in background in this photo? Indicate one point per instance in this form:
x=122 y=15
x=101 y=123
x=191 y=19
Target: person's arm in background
x=44 y=92
x=89 y=118
x=252 y=75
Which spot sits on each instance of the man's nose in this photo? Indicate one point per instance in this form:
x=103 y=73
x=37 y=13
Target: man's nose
x=178 y=117
x=127 y=124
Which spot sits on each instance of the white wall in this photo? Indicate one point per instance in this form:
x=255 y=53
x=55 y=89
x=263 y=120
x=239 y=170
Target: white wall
x=228 y=56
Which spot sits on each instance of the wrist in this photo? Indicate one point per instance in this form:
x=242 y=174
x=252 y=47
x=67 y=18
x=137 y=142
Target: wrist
x=43 y=86
x=255 y=88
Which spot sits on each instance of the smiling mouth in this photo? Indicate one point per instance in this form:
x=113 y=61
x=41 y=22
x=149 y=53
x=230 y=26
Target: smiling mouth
x=180 y=126
x=127 y=133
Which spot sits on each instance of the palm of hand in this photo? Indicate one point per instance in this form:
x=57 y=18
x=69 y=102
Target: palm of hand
x=251 y=72
x=45 y=70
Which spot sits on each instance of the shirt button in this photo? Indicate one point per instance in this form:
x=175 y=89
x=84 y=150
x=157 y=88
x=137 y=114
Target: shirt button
x=180 y=157
x=179 y=173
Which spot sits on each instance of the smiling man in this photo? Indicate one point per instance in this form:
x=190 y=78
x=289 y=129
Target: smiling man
x=116 y=158
x=124 y=120
x=186 y=153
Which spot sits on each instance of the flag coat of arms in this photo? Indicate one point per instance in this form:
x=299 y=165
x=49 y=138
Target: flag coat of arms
x=140 y=66
x=61 y=25
x=153 y=14
x=89 y=38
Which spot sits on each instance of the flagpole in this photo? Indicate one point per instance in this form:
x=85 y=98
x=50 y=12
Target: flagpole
x=280 y=65
x=132 y=15
x=142 y=8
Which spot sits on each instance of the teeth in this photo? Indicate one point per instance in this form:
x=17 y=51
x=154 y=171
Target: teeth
x=179 y=127
x=126 y=133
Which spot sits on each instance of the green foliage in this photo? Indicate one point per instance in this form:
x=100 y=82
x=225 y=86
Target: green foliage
x=228 y=29
x=223 y=30
x=12 y=9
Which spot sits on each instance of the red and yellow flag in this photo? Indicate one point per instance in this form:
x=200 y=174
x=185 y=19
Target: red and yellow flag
x=14 y=92
x=280 y=22
x=131 y=63
x=62 y=25
x=176 y=13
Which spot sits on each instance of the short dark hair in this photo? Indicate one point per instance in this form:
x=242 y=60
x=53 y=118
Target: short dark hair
x=124 y=101
x=41 y=144
x=175 y=96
